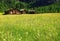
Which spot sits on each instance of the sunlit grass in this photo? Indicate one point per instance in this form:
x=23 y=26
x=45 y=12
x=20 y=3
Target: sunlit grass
x=27 y=27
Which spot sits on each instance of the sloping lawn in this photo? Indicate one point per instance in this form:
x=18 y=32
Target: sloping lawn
x=27 y=27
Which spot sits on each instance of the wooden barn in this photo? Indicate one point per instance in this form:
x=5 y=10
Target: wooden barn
x=23 y=11
x=31 y=11
x=14 y=11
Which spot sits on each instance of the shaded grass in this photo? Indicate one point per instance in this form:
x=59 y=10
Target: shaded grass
x=27 y=27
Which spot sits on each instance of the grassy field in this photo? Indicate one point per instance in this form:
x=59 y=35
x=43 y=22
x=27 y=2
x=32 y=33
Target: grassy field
x=27 y=27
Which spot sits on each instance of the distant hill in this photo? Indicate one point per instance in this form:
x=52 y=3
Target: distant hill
x=52 y=8
x=36 y=3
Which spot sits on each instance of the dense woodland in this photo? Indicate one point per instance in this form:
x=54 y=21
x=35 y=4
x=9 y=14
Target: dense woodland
x=40 y=6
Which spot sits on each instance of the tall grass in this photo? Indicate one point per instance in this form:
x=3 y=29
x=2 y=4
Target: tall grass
x=37 y=27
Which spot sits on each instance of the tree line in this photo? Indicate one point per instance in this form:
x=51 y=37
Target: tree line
x=24 y=4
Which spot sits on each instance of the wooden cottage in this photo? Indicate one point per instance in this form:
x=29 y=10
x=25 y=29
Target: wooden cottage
x=15 y=11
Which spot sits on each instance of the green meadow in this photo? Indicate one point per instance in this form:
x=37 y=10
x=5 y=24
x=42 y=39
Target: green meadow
x=30 y=27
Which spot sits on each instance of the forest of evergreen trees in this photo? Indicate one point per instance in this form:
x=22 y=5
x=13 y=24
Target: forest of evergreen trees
x=40 y=6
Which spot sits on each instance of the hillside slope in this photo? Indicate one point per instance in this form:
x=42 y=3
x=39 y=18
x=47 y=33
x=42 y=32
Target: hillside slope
x=39 y=5
x=52 y=8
